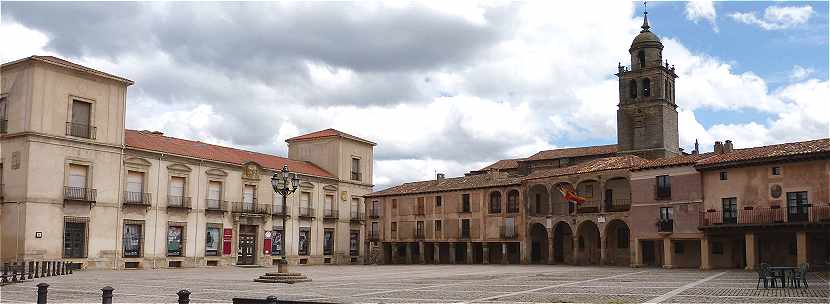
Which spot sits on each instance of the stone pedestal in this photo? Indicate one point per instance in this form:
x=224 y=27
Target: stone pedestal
x=282 y=267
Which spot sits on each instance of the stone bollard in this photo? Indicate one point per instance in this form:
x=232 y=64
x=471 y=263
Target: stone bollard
x=41 y=293
x=184 y=296
x=271 y=300
x=31 y=269
x=106 y=296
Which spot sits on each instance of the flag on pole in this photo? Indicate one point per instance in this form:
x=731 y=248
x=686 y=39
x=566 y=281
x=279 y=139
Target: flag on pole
x=569 y=193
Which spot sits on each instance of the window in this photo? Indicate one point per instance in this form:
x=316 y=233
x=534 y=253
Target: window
x=465 y=229
x=354 y=242
x=622 y=237
x=723 y=175
x=276 y=241
x=355 y=208
x=394 y=203
x=513 y=201
x=79 y=126
x=74 y=238
x=213 y=237
x=678 y=248
x=419 y=229
x=374 y=230
x=132 y=240
x=537 y=203
x=419 y=206
x=776 y=170
x=356 y=169
x=214 y=195
x=438 y=200
x=717 y=248
x=3 y=119
x=249 y=197
x=175 y=191
x=641 y=57
x=328 y=205
x=586 y=190
x=328 y=241
x=730 y=210
x=509 y=227
x=394 y=228
x=663 y=187
x=135 y=187
x=797 y=205
x=632 y=89
x=175 y=240
x=646 y=87
x=77 y=176
x=437 y=228
x=495 y=202
x=305 y=203
x=666 y=214
x=304 y=240
x=465 y=202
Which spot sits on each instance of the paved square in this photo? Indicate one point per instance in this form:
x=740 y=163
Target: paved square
x=427 y=283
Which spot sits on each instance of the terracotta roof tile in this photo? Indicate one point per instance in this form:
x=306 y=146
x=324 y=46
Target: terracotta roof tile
x=679 y=160
x=503 y=164
x=574 y=152
x=146 y=140
x=594 y=165
x=768 y=152
x=448 y=184
x=328 y=133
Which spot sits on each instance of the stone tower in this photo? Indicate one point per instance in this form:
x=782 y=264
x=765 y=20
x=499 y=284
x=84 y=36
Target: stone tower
x=647 y=114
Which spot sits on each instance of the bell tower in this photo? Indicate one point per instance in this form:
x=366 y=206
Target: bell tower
x=647 y=113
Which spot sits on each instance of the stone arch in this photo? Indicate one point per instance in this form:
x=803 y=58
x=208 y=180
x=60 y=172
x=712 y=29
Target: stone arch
x=563 y=243
x=538 y=200
x=560 y=206
x=617 y=243
x=538 y=244
x=494 y=202
x=588 y=243
x=617 y=194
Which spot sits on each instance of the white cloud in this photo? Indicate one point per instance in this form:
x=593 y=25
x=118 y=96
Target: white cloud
x=776 y=17
x=20 y=41
x=702 y=10
x=799 y=73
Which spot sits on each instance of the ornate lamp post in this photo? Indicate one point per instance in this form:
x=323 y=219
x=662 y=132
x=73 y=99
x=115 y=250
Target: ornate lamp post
x=284 y=183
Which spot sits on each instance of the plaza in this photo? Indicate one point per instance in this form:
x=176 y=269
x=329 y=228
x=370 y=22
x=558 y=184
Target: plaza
x=428 y=284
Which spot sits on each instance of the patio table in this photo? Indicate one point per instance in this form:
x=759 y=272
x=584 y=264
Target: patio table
x=782 y=272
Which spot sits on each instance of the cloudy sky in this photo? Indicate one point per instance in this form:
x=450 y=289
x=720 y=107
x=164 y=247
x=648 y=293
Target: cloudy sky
x=441 y=87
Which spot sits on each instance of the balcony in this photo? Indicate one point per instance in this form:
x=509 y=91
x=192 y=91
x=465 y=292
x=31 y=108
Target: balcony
x=494 y=209
x=508 y=232
x=357 y=216
x=277 y=210
x=420 y=210
x=816 y=214
x=4 y=123
x=78 y=194
x=215 y=205
x=373 y=235
x=665 y=226
x=178 y=202
x=618 y=205
x=465 y=234
x=464 y=208
x=80 y=130
x=418 y=234
x=375 y=213
x=306 y=212
x=136 y=199
x=512 y=208
x=331 y=214
x=356 y=176
x=662 y=193
x=589 y=206
x=250 y=208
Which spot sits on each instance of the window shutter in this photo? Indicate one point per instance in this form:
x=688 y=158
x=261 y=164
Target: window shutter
x=81 y=112
x=77 y=176
x=176 y=186
x=214 y=190
x=135 y=182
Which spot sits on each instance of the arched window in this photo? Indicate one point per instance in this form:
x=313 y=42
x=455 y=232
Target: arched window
x=641 y=56
x=495 y=202
x=646 y=87
x=513 y=201
x=632 y=89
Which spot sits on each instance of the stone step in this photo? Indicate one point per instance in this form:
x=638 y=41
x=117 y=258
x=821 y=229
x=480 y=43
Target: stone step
x=283 y=274
x=283 y=278
x=283 y=281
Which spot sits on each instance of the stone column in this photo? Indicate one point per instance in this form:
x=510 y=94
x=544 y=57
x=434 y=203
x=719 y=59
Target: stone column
x=470 y=253
x=801 y=247
x=504 y=259
x=408 y=253
x=452 y=253
x=524 y=254
x=577 y=259
x=485 y=251
x=704 y=254
x=436 y=253
x=749 y=247
x=668 y=254
x=637 y=259
x=421 y=253
x=550 y=249
x=603 y=248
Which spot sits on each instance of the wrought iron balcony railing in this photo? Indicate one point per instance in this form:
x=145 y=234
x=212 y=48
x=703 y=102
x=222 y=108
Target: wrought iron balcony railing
x=803 y=214
x=357 y=176
x=662 y=193
x=216 y=205
x=80 y=130
x=136 y=199
x=619 y=204
x=373 y=235
x=418 y=234
x=588 y=206
x=277 y=210
x=307 y=212
x=375 y=213
x=665 y=225
x=357 y=215
x=178 y=202
x=508 y=232
x=4 y=124
x=79 y=194
x=512 y=208
x=331 y=214
x=250 y=208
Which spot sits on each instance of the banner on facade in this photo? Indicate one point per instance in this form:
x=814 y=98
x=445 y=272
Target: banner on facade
x=227 y=237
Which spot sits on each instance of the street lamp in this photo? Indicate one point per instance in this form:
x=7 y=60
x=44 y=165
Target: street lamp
x=284 y=183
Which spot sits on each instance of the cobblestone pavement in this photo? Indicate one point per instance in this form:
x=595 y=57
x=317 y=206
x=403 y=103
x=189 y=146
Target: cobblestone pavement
x=427 y=283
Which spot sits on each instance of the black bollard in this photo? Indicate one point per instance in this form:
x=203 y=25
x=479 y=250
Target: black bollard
x=22 y=271
x=36 y=269
x=106 y=297
x=41 y=293
x=3 y=279
x=271 y=300
x=184 y=296
x=14 y=272
x=42 y=269
x=31 y=269
x=69 y=268
x=54 y=268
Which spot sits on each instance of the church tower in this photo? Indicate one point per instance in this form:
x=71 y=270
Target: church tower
x=647 y=113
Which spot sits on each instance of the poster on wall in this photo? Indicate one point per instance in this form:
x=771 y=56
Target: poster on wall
x=276 y=242
x=212 y=241
x=304 y=239
x=174 y=241
x=266 y=247
x=328 y=241
x=354 y=242
x=227 y=236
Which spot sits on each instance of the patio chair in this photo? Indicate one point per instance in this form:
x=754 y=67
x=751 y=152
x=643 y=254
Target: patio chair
x=800 y=276
x=765 y=275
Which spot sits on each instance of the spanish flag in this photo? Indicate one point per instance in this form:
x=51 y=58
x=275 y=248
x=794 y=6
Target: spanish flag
x=569 y=193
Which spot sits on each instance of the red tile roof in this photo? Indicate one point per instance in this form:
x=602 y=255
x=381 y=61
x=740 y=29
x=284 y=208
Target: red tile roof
x=328 y=133
x=768 y=153
x=71 y=65
x=157 y=142
x=679 y=160
x=574 y=152
x=503 y=164
x=594 y=165
x=477 y=181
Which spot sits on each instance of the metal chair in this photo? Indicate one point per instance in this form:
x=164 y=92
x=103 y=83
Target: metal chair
x=800 y=276
x=765 y=275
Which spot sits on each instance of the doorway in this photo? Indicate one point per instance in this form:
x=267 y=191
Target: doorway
x=247 y=245
x=648 y=253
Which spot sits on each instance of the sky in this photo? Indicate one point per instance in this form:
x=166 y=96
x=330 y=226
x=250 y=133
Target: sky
x=443 y=86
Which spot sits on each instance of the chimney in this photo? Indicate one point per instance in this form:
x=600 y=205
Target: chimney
x=439 y=176
x=727 y=146
x=697 y=148
x=718 y=147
